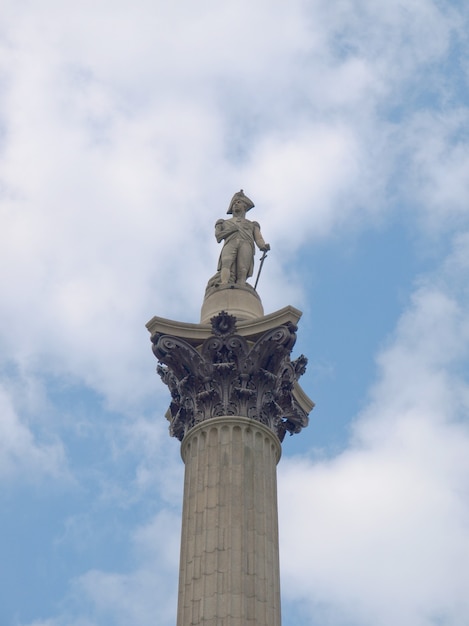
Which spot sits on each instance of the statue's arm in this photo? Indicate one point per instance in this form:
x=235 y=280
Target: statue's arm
x=219 y=230
x=262 y=245
x=223 y=229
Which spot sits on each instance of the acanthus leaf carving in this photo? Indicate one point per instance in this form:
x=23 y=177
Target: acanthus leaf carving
x=229 y=376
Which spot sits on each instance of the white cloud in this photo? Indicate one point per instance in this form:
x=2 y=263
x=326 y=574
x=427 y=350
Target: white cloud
x=124 y=131
x=380 y=534
x=159 y=468
x=439 y=152
x=144 y=593
x=305 y=174
x=116 y=161
x=22 y=455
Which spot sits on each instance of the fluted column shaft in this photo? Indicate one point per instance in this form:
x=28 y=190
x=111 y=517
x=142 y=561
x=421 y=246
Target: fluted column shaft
x=229 y=569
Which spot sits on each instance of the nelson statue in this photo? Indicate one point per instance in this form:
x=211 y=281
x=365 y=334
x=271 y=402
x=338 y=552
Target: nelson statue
x=236 y=262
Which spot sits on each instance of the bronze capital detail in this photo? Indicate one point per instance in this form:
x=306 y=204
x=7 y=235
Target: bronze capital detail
x=232 y=375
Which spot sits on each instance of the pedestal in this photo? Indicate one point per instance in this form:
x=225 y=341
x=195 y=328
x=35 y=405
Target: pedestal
x=242 y=302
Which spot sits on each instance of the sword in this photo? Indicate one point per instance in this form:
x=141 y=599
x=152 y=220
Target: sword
x=260 y=267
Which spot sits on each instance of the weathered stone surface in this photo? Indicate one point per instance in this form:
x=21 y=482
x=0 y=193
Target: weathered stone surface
x=229 y=375
x=229 y=569
x=240 y=236
x=195 y=334
x=241 y=301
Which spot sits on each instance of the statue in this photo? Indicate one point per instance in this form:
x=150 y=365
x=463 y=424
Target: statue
x=236 y=261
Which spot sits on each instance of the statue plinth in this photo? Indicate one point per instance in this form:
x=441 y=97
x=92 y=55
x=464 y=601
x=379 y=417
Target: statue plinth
x=241 y=301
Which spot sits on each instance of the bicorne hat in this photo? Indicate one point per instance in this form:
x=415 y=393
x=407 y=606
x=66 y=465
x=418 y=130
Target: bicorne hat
x=239 y=195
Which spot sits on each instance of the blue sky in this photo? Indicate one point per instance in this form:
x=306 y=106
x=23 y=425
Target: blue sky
x=125 y=128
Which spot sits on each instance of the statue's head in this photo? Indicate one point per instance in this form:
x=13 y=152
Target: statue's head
x=239 y=197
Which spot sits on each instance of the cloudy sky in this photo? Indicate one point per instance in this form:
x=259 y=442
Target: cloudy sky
x=125 y=128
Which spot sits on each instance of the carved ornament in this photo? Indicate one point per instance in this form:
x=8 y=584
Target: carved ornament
x=228 y=375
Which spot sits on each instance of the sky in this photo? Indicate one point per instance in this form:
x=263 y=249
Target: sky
x=125 y=129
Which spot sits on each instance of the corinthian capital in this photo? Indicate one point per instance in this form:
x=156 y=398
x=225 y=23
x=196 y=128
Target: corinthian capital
x=228 y=374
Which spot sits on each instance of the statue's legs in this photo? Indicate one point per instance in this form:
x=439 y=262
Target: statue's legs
x=236 y=258
x=225 y=275
x=228 y=260
x=243 y=261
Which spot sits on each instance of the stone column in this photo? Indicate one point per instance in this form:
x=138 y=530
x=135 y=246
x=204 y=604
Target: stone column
x=234 y=395
x=229 y=571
